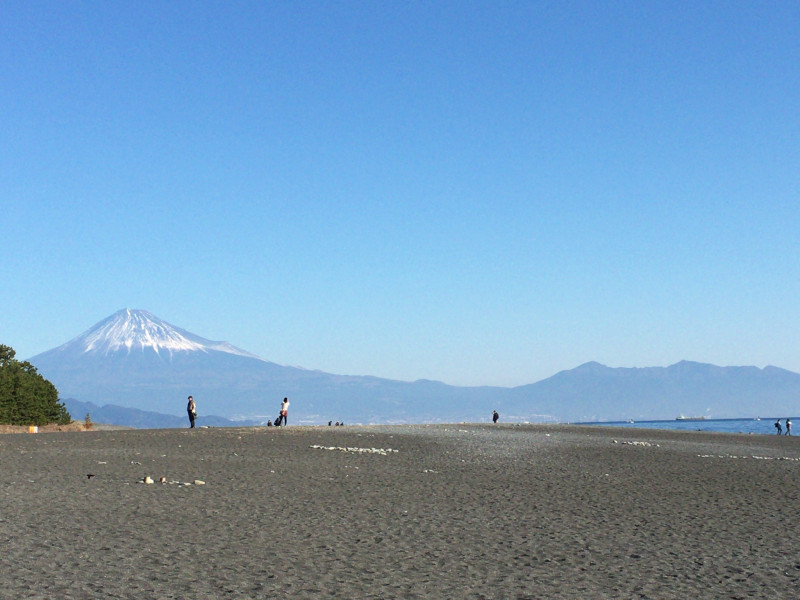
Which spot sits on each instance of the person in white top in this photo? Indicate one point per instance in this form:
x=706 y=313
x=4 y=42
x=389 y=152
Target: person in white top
x=284 y=411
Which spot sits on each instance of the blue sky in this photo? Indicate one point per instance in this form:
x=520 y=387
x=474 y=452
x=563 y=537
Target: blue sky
x=472 y=192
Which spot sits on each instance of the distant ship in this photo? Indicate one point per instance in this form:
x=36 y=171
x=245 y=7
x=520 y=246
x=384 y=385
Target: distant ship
x=682 y=418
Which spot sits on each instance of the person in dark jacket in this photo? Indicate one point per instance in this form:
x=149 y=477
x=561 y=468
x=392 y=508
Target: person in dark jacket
x=191 y=408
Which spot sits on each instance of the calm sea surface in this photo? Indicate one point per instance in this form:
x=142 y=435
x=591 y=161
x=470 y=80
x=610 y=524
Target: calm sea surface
x=763 y=426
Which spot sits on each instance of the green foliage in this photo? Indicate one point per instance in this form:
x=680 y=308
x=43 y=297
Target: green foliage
x=27 y=398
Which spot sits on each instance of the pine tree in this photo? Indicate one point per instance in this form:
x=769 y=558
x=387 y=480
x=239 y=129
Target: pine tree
x=27 y=398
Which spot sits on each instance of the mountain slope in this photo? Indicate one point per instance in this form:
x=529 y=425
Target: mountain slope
x=133 y=417
x=687 y=388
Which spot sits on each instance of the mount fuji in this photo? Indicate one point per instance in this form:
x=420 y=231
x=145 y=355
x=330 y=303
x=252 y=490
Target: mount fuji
x=135 y=360
x=134 y=330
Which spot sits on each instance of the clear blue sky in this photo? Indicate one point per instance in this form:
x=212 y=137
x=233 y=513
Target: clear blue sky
x=473 y=192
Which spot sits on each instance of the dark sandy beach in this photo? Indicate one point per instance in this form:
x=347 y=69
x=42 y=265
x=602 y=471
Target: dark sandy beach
x=452 y=511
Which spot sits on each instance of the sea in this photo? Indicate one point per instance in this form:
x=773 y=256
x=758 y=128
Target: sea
x=763 y=425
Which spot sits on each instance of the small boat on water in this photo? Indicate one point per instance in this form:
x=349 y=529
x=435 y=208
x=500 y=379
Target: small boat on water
x=682 y=418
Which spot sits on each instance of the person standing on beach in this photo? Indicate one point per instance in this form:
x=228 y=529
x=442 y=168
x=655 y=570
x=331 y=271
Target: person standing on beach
x=788 y=427
x=778 y=426
x=285 y=411
x=495 y=416
x=191 y=408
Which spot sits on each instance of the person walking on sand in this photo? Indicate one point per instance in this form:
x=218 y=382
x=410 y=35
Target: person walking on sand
x=778 y=427
x=191 y=408
x=495 y=416
x=788 y=427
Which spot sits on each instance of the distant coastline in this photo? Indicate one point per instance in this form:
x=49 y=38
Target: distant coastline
x=748 y=425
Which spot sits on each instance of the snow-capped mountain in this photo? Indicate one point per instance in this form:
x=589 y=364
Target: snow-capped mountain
x=135 y=360
x=131 y=330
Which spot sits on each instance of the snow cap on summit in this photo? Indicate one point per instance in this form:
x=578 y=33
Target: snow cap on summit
x=130 y=329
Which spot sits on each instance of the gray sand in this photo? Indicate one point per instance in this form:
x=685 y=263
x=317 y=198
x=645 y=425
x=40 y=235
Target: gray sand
x=458 y=511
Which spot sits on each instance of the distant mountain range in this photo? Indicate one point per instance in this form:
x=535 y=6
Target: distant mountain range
x=136 y=369
x=142 y=419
